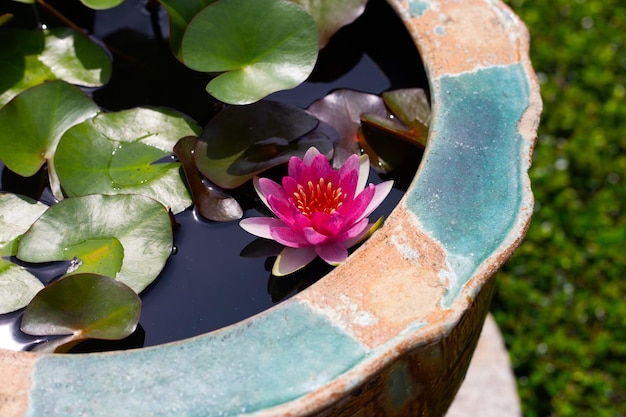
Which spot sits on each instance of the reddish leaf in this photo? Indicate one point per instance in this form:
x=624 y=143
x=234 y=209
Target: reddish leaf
x=342 y=109
x=210 y=205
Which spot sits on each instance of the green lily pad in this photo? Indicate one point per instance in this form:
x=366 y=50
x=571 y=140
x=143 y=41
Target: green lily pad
x=242 y=141
x=32 y=124
x=103 y=256
x=101 y=4
x=29 y=58
x=180 y=13
x=119 y=153
x=259 y=46
x=127 y=236
x=332 y=15
x=80 y=307
x=17 y=286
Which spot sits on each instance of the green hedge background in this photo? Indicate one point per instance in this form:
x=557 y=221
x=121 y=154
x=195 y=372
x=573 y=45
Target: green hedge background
x=561 y=299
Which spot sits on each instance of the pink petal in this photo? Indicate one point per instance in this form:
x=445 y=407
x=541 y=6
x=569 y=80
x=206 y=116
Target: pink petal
x=282 y=209
x=348 y=183
x=353 y=231
x=270 y=188
x=290 y=185
x=358 y=238
x=300 y=221
x=381 y=192
x=318 y=219
x=257 y=188
x=313 y=236
x=351 y=164
x=321 y=167
x=260 y=226
x=288 y=237
x=364 y=172
x=360 y=203
x=295 y=168
x=292 y=259
x=332 y=177
x=328 y=224
x=307 y=174
x=333 y=253
x=310 y=154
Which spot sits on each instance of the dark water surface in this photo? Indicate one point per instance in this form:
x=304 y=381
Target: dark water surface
x=206 y=284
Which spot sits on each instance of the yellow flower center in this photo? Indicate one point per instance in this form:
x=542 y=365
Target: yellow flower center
x=320 y=198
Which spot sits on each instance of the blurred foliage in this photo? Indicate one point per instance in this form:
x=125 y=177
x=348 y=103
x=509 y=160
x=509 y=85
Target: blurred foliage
x=560 y=300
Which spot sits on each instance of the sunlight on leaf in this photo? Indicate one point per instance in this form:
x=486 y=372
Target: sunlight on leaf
x=17 y=286
x=100 y=255
x=412 y=107
x=260 y=47
x=117 y=153
x=80 y=307
x=131 y=234
x=38 y=117
x=28 y=58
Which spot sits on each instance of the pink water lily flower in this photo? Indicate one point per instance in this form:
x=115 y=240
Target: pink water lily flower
x=319 y=211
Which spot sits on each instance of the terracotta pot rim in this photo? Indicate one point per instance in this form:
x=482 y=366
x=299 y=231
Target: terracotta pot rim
x=406 y=287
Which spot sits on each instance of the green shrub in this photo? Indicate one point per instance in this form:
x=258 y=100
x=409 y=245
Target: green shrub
x=561 y=299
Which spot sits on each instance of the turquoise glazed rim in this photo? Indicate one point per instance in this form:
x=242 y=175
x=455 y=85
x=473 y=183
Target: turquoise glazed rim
x=347 y=338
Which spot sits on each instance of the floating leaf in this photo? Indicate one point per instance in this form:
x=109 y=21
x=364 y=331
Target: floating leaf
x=393 y=127
x=241 y=141
x=32 y=124
x=271 y=152
x=101 y=4
x=342 y=109
x=117 y=153
x=331 y=15
x=210 y=205
x=130 y=235
x=28 y=58
x=375 y=136
x=79 y=307
x=180 y=13
x=411 y=116
x=17 y=286
x=412 y=107
x=260 y=47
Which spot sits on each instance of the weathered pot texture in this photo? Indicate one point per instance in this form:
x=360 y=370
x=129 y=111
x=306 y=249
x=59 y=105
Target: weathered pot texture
x=389 y=333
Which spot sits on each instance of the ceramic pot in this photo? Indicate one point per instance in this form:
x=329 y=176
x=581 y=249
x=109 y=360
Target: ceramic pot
x=392 y=331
